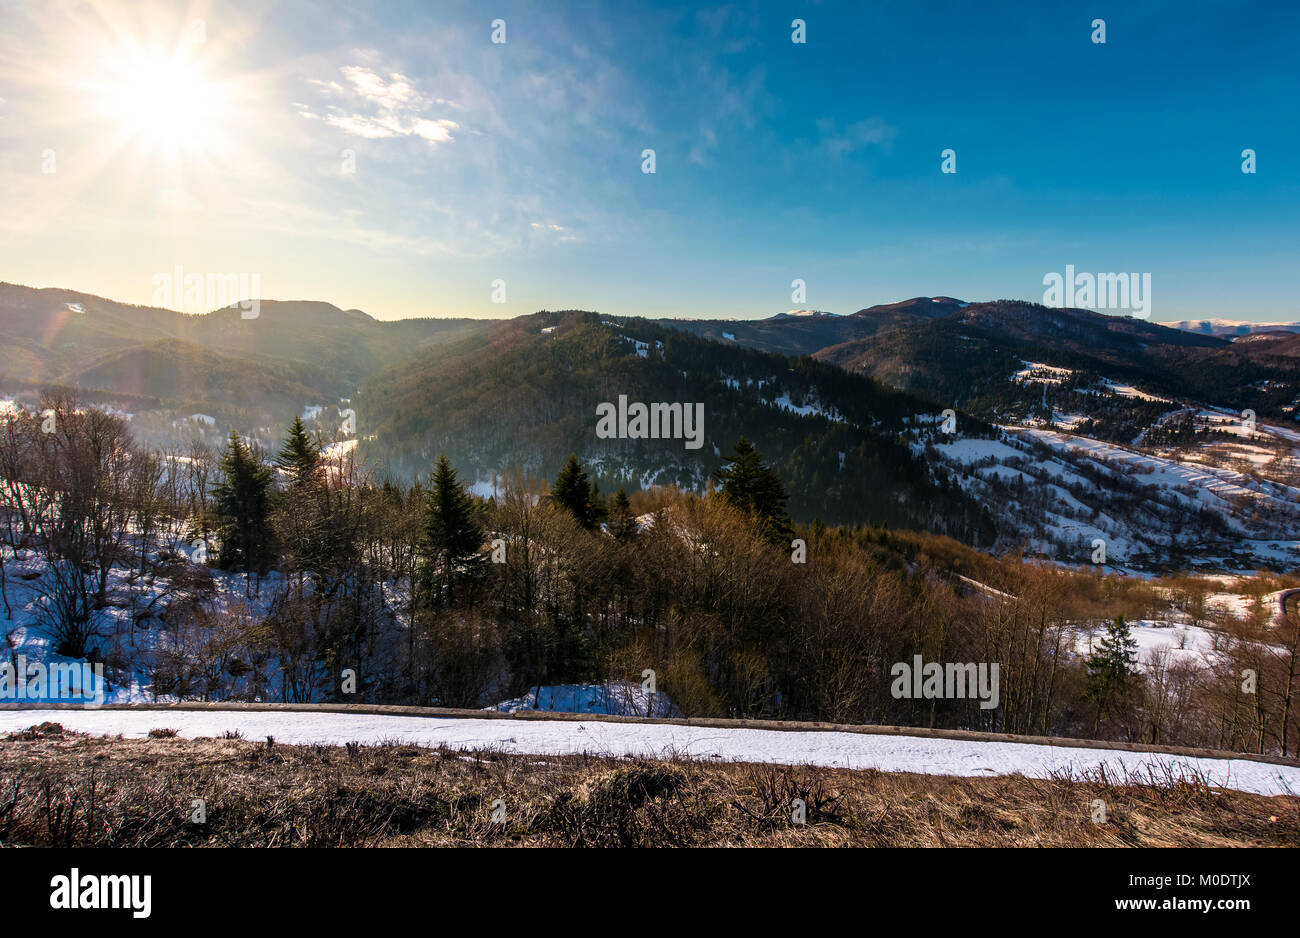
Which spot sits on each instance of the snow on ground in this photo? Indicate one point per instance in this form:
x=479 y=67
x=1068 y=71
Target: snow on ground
x=132 y=615
x=887 y=753
x=1067 y=421
x=1286 y=433
x=1276 y=604
x=812 y=407
x=1262 y=445
x=1234 y=604
x=1183 y=643
x=1041 y=373
x=1258 y=456
x=971 y=449
x=1058 y=492
x=643 y=348
x=1127 y=390
x=334 y=451
x=617 y=697
x=985 y=588
x=1208 y=486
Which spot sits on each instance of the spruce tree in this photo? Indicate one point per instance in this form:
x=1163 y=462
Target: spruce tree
x=597 y=509
x=748 y=484
x=572 y=490
x=305 y=527
x=453 y=536
x=299 y=456
x=243 y=505
x=1110 y=667
x=622 y=523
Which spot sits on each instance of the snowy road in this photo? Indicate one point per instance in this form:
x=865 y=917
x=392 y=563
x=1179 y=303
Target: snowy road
x=544 y=737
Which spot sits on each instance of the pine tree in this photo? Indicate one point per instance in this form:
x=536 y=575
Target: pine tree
x=572 y=490
x=748 y=484
x=1110 y=667
x=453 y=536
x=596 y=505
x=622 y=523
x=303 y=521
x=243 y=505
x=299 y=456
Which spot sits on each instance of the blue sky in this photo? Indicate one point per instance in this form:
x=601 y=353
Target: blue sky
x=221 y=147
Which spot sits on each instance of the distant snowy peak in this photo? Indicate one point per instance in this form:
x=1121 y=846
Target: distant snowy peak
x=806 y=313
x=1231 y=327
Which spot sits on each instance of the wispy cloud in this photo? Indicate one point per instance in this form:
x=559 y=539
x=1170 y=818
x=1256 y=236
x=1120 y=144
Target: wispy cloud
x=872 y=132
x=376 y=108
x=554 y=232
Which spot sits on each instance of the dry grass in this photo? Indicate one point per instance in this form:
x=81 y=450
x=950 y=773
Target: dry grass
x=57 y=788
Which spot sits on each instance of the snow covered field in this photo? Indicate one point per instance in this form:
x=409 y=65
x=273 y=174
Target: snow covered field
x=562 y=737
x=621 y=698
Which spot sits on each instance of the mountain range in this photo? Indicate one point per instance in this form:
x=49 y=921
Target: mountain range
x=255 y=370
x=1005 y=424
x=1233 y=327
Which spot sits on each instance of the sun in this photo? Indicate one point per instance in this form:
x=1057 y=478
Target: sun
x=163 y=101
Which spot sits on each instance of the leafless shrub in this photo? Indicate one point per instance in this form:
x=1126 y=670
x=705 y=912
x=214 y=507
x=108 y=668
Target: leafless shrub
x=777 y=786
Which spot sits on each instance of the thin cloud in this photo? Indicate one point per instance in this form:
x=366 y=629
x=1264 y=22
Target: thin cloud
x=379 y=108
x=856 y=136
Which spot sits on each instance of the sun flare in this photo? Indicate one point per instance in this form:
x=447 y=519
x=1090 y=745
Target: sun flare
x=164 y=101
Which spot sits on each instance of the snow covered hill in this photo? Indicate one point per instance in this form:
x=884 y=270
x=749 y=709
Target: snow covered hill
x=888 y=753
x=1057 y=494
